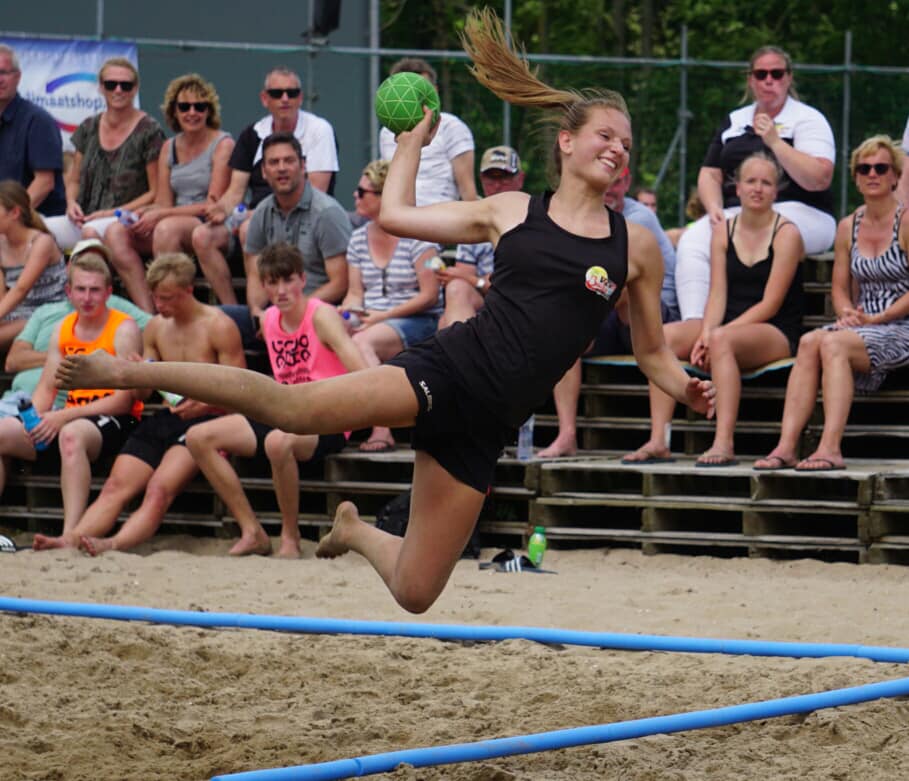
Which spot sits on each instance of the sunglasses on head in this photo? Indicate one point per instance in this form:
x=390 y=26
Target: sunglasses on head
x=879 y=168
x=277 y=92
x=200 y=106
x=110 y=85
x=775 y=73
x=361 y=191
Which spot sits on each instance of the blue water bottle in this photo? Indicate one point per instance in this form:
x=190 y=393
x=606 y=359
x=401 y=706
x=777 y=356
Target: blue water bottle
x=525 y=440
x=126 y=217
x=236 y=218
x=30 y=419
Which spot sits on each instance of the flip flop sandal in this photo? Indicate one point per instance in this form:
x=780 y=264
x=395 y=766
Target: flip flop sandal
x=507 y=561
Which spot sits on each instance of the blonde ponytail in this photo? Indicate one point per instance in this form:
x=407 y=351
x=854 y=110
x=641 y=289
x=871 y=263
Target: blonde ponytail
x=506 y=73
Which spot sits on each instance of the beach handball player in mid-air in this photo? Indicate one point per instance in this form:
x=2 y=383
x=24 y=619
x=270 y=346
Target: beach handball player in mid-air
x=562 y=260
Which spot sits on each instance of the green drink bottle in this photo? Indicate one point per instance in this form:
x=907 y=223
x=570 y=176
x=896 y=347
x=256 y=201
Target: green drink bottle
x=536 y=546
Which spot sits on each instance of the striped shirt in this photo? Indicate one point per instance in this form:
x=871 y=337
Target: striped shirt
x=395 y=284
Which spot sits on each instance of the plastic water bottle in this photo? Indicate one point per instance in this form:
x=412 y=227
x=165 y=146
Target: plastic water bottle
x=536 y=546
x=126 y=217
x=30 y=419
x=236 y=218
x=352 y=319
x=525 y=440
x=170 y=398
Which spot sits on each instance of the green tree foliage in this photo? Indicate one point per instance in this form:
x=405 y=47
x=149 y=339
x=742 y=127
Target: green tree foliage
x=813 y=31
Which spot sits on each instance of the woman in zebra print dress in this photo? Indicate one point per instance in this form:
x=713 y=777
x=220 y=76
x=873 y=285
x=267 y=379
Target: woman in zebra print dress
x=870 y=294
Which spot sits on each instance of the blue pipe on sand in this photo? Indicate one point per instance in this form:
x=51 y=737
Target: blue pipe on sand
x=567 y=738
x=501 y=747
x=337 y=626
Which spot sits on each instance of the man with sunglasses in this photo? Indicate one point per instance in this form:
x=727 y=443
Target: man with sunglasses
x=282 y=97
x=31 y=151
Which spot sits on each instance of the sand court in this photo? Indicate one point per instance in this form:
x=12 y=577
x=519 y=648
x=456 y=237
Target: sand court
x=88 y=698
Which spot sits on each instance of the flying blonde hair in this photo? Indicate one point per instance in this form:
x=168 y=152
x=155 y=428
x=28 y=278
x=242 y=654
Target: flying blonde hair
x=505 y=72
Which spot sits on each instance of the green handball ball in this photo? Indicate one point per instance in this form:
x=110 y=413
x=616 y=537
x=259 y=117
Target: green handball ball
x=400 y=100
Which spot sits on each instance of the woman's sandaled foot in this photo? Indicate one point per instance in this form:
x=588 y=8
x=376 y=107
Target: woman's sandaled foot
x=820 y=464
x=773 y=463
x=377 y=445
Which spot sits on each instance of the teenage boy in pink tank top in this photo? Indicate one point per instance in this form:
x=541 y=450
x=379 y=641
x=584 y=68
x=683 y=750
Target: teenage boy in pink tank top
x=307 y=340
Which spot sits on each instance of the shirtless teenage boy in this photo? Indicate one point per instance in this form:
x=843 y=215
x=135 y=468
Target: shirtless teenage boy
x=155 y=457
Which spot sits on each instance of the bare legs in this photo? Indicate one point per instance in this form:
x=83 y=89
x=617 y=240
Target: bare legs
x=80 y=444
x=209 y=243
x=443 y=512
x=462 y=301
x=378 y=343
x=838 y=354
x=284 y=451
x=231 y=434
x=380 y=396
x=128 y=476
x=125 y=248
x=731 y=349
x=566 y=394
x=680 y=337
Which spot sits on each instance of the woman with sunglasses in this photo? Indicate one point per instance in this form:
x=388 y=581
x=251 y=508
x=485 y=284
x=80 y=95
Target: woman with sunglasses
x=192 y=174
x=114 y=167
x=32 y=271
x=394 y=295
x=870 y=293
x=800 y=139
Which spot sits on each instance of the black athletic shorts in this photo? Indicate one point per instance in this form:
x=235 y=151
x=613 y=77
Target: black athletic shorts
x=327 y=444
x=115 y=429
x=451 y=426
x=156 y=435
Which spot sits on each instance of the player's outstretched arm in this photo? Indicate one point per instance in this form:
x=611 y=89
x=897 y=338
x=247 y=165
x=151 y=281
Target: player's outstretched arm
x=655 y=359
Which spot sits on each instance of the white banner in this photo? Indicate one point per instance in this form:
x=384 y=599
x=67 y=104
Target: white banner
x=62 y=76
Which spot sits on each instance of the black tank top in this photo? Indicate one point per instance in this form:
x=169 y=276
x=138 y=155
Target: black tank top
x=745 y=287
x=550 y=291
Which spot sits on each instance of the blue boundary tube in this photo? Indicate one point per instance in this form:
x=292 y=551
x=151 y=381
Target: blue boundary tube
x=335 y=626
x=604 y=733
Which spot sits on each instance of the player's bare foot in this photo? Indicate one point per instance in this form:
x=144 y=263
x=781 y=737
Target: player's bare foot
x=561 y=446
x=43 y=542
x=95 y=546
x=335 y=542
x=289 y=549
x=99 y=369
x=256 y=544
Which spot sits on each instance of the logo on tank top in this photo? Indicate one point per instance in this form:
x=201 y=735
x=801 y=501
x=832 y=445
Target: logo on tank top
x=598 y=281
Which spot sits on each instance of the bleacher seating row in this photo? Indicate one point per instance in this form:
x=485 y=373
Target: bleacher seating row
x=857 y=515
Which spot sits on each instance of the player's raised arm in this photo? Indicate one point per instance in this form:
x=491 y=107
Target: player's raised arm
x=451 y=222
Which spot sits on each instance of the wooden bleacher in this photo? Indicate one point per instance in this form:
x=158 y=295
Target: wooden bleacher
x=857 y=515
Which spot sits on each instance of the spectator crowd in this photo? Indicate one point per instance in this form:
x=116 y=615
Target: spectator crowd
x=325 y=292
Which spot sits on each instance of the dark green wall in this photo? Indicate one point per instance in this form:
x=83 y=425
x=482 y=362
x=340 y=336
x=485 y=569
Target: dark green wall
x=341 y=90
